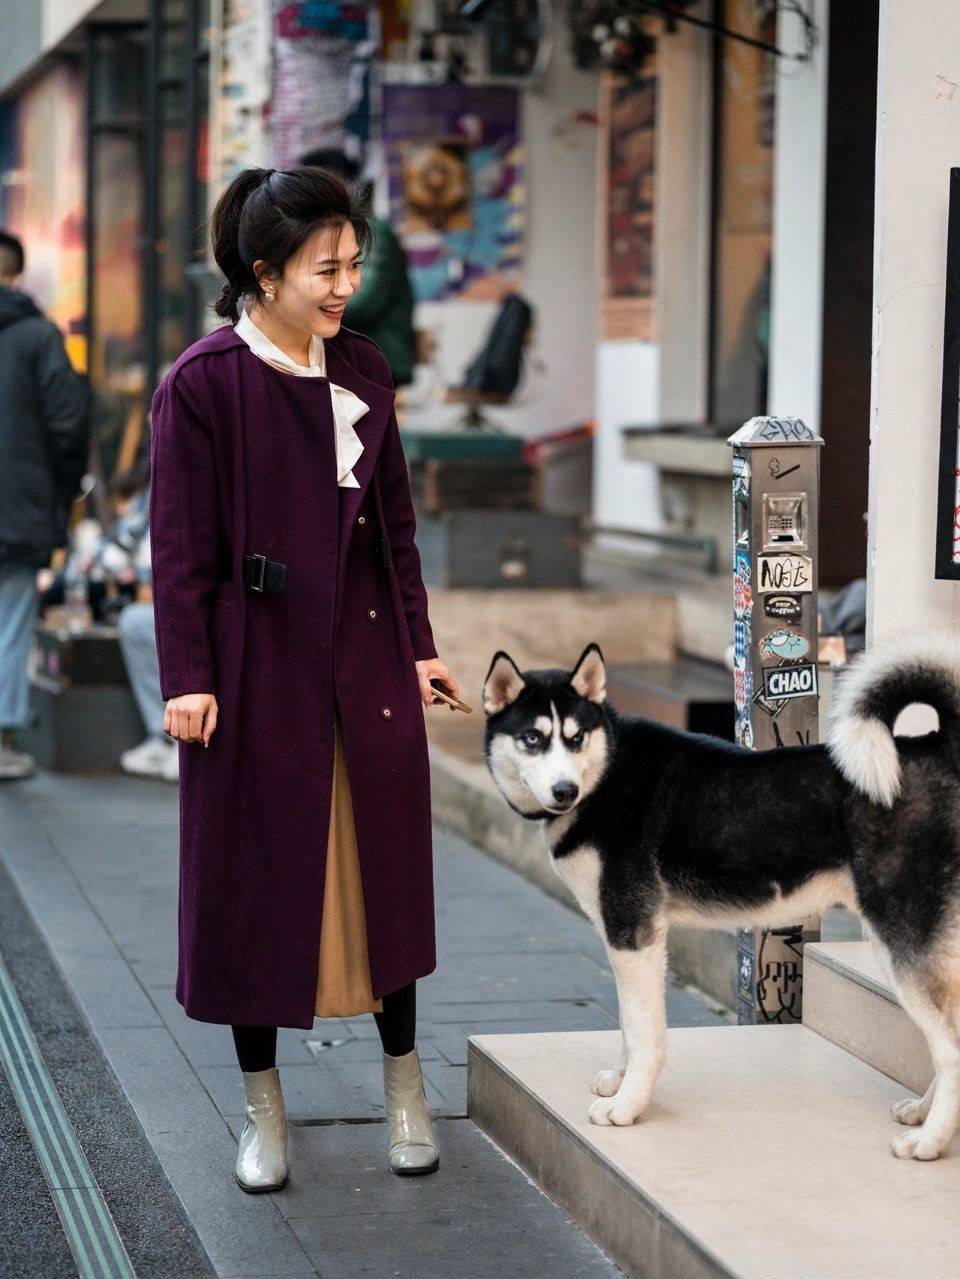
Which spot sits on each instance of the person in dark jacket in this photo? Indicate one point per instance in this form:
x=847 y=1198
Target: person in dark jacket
x=382 y=307
x=44 y=436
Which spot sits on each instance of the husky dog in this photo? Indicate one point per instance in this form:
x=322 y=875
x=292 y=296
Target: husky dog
x=649 y=826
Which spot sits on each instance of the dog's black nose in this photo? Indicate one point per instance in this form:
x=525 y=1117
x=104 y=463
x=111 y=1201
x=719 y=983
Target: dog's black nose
x=564 y=792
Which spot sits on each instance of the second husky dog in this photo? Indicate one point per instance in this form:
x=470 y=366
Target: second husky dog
x=649 y=825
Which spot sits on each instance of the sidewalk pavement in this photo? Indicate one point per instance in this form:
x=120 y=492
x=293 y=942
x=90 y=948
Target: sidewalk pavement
x=95 y=860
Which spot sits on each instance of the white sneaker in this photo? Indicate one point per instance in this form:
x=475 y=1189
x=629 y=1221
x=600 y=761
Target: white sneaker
x=156 y=757
x=171 y=770
x=15 y=764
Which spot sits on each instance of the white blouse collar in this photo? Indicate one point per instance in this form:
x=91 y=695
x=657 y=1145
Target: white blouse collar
x=347 y=407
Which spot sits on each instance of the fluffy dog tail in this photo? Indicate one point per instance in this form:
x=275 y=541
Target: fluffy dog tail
x=870 y=695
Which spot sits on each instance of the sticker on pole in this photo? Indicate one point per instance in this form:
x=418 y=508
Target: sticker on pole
x=786 y=643
x=783 y=682
x=785 y=608
x=784 y=573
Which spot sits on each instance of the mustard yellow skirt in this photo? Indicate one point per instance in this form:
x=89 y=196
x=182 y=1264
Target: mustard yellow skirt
x=343 y=969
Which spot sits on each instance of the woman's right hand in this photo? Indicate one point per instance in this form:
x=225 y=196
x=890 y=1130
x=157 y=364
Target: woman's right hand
x=191 y=717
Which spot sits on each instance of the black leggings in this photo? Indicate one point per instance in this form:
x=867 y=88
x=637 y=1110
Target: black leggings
x=257 y=1045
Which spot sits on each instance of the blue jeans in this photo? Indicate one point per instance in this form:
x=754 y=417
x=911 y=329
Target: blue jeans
x=18 y=609
x=138 y=642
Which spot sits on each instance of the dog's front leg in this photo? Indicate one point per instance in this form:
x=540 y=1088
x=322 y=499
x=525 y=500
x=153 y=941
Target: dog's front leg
x=640 y=978
x=607 y=1082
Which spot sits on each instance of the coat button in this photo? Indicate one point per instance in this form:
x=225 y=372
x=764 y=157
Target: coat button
x=386 y=712
x=361 y=519
x=372 y=614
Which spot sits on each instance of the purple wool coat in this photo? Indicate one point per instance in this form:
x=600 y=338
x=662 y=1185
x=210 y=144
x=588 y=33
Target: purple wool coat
x=243 y=462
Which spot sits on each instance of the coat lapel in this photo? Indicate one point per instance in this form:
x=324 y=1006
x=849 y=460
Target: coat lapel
x=370 y=428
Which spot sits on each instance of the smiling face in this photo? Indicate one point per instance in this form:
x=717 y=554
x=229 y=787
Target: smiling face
x=316 y=284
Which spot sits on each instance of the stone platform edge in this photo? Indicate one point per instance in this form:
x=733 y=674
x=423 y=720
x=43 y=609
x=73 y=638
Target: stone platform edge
x=630 y=1226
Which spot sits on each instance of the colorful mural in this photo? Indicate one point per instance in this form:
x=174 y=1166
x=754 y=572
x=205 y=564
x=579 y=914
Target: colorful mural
x=457 y=197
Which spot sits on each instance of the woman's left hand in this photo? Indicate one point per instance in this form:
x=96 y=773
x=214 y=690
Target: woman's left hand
x=432 y=668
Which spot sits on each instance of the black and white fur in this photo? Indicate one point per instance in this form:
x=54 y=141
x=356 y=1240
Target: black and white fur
x=650 y=826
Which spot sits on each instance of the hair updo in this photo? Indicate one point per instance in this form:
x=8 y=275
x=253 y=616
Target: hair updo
x=269 y=214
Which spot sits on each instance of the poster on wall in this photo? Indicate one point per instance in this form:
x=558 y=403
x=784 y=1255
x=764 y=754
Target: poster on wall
x=323 y=55
x=455 y=171
x=948 y=494
x=626 y=158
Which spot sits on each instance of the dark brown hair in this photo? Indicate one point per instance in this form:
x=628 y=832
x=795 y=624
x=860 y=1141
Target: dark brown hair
x=269 y=214
x=11 y=254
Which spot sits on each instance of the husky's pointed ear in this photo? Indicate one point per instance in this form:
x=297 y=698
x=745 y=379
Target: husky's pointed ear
x=589 y=676
x=503 y=684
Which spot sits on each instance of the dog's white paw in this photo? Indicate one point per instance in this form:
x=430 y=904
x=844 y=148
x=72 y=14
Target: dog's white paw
x=616 y=1111
x=910 y=1111
x=607 y=1082
x=914 y=1145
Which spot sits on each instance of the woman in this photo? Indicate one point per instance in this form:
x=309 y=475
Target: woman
x=296 y=656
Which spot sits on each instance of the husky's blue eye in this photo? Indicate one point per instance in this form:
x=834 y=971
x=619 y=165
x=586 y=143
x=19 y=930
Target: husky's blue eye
x=532 y=737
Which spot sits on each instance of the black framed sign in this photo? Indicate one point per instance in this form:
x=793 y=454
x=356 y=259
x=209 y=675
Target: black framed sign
x=948 y=492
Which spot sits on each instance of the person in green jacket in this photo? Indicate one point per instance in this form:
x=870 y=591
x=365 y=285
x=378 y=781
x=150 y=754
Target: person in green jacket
x=382 y=307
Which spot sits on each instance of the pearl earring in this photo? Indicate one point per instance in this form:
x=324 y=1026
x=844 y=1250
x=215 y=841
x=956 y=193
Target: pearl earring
x=269 y=296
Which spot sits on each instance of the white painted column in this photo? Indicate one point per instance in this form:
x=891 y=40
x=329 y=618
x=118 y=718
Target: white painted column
x=799 y=201
x=918 y=140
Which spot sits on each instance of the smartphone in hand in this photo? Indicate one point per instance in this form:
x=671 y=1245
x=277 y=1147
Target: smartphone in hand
x=440 y=691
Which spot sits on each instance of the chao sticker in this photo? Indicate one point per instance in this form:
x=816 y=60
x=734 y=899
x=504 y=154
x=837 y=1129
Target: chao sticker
x=741 y=565
x=783 y=682
x=786 y=644
x=785 y=608
x=784 y=573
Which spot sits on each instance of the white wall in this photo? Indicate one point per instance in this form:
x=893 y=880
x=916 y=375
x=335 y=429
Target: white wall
x=918 y=140
x=60 y=17
x=628 y=391
x=799 y=193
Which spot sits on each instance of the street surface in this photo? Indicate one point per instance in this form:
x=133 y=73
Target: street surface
x=95 y=861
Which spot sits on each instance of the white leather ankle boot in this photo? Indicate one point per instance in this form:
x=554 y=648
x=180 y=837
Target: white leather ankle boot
x=412 y=1149
x=262 y=1157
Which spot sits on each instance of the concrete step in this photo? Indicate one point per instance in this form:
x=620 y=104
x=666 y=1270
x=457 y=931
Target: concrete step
x=765 y=1152
x=847 y=999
